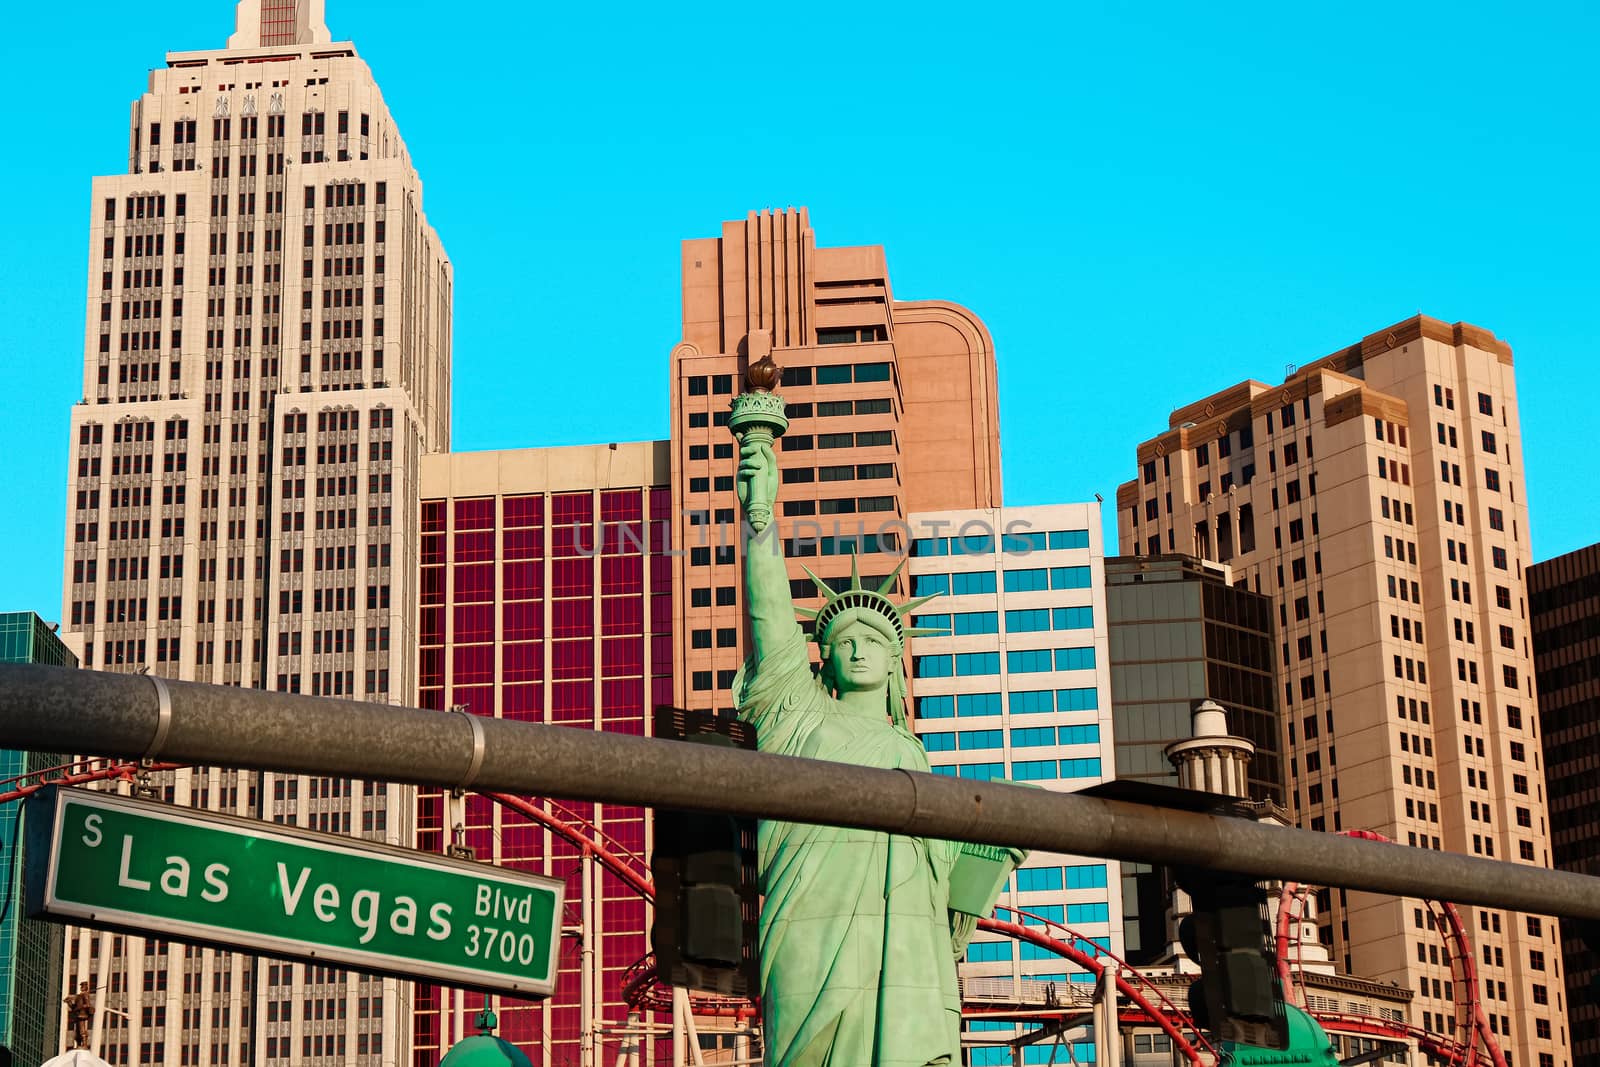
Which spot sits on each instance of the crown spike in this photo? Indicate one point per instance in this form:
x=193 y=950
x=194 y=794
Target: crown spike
x=927 y=631
x=888 y=583
x=909 y=606
x=855 y=570
x=808 y=613
x=822 y=587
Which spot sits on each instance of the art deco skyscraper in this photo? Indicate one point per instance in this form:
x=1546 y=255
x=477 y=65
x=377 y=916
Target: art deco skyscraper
x=267 y=355
x=892 y=408
x=1378 y=497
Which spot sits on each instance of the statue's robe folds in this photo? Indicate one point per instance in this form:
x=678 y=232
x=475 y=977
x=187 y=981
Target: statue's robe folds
x=857 y=968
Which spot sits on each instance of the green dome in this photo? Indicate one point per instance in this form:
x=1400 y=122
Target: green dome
x=485 y=1050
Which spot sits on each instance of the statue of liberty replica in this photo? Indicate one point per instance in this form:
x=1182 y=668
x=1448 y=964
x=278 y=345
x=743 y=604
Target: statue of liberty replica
x=858 y=940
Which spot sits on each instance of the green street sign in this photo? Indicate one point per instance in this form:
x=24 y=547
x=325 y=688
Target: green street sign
x=102 y=860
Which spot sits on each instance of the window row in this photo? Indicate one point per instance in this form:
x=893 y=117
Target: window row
x=1024 y=770
x=1027 y=661
x=943 y=706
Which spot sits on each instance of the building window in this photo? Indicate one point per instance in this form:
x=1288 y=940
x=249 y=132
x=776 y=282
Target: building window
x=1086 y=767
x=968 y=664
x=977 y=704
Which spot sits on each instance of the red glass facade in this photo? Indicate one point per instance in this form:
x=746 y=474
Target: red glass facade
x=548 y=607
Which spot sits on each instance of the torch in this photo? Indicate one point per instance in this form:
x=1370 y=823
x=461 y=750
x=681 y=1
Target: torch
x=757 y=415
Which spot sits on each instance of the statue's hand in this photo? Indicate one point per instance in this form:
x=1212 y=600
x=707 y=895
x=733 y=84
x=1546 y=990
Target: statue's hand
x=758 y=474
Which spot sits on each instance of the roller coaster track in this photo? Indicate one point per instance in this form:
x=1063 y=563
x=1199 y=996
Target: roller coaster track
x=1472 y=1022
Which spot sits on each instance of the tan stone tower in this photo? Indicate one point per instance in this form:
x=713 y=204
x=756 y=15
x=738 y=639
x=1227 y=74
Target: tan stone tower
x=1378 y=496
x=267 y=355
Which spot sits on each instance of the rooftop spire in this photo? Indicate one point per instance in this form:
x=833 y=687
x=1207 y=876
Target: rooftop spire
x=270 y=23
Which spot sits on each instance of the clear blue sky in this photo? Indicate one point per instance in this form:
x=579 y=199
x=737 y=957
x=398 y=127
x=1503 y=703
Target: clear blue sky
x=1143 y=202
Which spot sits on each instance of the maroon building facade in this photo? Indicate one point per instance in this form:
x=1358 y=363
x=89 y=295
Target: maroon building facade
x=546 y=596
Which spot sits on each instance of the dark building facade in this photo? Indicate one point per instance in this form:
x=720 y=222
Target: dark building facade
x=30 y=952
x=1564 y=610
x=1180 y=633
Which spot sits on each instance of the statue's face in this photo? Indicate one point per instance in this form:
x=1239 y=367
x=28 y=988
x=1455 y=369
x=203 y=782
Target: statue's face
x=860 y=658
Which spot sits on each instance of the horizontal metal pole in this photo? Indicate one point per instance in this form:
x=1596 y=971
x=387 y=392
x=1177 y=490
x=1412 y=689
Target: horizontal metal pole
x=56 y=709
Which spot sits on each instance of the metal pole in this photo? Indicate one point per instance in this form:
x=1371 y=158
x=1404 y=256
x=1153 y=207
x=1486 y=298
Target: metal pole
x=1107 y=1030
x=54 y=709
x=588 y=1006
x=680 y=1032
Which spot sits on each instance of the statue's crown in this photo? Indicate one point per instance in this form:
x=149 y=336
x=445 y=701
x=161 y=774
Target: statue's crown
x=837 y=602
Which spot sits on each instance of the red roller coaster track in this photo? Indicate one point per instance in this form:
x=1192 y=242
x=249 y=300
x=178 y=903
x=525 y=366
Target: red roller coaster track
x=1471 y=1021
x=1477 y=1046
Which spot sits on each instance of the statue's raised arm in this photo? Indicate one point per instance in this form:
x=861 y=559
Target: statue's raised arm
x=770 y=606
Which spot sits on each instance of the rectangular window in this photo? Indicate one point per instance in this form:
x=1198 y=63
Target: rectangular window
x=1069 y=577
x=1032 y=702
x=1029 y=661
x=989 y=952
x=969 y=704
x=977 y=663
x=966 y=584
x=976 y=622
x=1087 y=767
x=1060 y=539
x=982 y=739
x=1028 y=620
x=1040 y=880
x=1086 y=698
x=1073 y=618
x=931 y=666
x=1075 y=659
x=936 y=707
x=1087 y=734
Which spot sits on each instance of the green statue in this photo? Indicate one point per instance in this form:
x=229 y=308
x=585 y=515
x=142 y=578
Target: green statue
x=858 y=940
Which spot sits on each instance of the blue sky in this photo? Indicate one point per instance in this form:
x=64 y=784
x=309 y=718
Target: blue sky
x=1143 y=202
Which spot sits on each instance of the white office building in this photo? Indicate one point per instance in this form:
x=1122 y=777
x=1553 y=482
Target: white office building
x=1020 y=689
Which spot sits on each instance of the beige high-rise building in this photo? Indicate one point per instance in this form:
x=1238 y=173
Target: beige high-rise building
x=266 y=357
x=1378 y=496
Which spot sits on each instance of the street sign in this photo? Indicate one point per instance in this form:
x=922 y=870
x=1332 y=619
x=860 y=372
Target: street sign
x=103 y=860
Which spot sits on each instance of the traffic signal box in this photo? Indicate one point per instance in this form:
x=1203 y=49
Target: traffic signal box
x=1237 y=996
x=704 y=868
